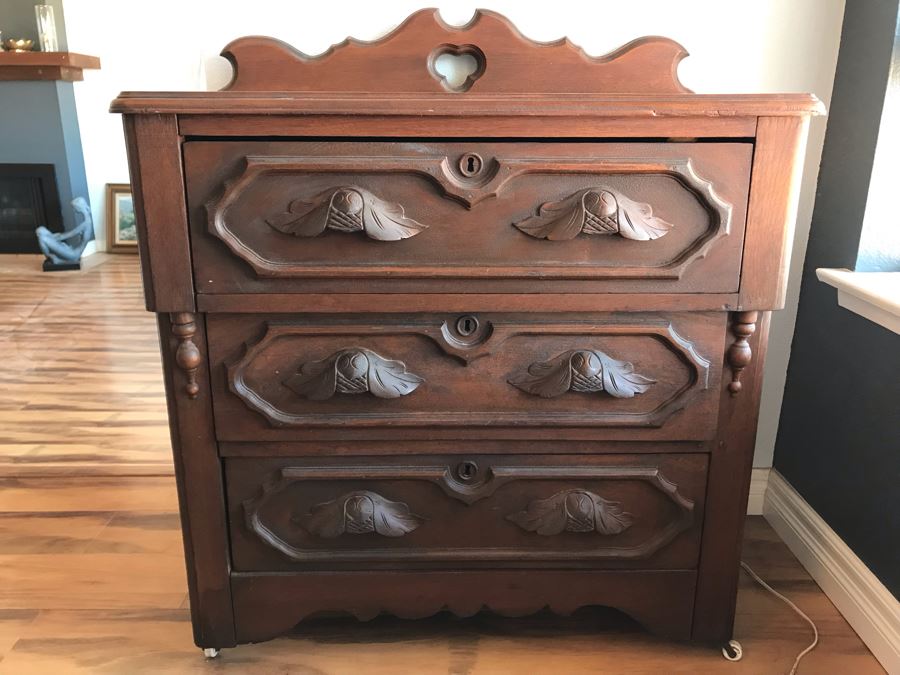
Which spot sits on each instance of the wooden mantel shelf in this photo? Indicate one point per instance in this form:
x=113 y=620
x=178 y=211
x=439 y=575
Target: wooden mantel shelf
x=66 y=66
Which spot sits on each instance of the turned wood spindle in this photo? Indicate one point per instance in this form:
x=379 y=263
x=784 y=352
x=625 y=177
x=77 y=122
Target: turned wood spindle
x=743 y=325
x=187 y=356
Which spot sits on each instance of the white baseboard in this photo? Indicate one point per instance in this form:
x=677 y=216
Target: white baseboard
x=758 y=481
x=866 y=604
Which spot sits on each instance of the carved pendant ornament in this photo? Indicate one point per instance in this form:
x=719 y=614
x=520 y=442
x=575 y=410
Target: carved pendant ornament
x=573 y=511
x=743 y=326
x=581 y=370
x=595 y=211
x=347 y=209
x=187 y=355
x=353 y=371
x=361 y=512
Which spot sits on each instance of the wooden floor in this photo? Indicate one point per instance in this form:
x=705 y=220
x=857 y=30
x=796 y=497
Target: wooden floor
x=81 y=387
x=91 y=573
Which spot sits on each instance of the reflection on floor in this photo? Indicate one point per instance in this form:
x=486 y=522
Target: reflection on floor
x=81 y=386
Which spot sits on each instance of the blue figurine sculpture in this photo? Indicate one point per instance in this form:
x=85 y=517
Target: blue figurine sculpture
x=64 y=249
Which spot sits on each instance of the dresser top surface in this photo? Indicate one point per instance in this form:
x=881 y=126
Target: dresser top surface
x=498 y=71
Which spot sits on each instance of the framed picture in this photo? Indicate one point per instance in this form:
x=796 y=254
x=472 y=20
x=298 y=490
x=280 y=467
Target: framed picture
x=121 y=230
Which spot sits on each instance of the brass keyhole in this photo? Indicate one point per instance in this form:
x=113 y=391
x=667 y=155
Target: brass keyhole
x=470 y=164
x=467 y=471
x=466 y=325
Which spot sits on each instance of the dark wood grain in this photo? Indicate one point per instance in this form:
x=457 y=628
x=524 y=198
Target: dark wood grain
x=244 y=194
x=154 y=162
x=201 y=496
x=465 y=386
x=463 y=507
x=509 y=62
x=267 y=606
x=729 y=485
x=774 y=193
x=597 y=118
x=537 y=265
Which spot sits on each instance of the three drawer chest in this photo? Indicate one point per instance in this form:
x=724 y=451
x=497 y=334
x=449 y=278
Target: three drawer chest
x=441 y=342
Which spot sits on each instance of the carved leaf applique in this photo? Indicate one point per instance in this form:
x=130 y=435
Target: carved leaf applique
x=347 y=209
x=361 y=512
x=594 y=211
x=573 y=511
x=582 y=371
x=353 y=371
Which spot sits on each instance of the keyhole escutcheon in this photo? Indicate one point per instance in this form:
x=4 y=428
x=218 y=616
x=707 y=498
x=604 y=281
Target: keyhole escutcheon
x=470 y=164
x=467 y=471
x=466 y=325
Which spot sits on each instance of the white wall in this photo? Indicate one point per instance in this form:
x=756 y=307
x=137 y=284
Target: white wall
x=736 y=47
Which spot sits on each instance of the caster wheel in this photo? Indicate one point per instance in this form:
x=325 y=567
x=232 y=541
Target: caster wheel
x=733 y=651
x=210 y=652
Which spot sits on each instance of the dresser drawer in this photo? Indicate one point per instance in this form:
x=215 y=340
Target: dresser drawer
x=284 y=217
x=642 y=511
x=641 y=376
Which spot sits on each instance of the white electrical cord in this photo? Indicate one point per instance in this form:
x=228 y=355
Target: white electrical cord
x=812 y=645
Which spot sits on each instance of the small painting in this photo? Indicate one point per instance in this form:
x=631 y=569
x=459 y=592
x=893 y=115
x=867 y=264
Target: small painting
x=121 y=229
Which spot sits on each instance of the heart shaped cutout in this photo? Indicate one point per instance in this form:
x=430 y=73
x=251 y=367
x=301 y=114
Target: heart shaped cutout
x=457 y=67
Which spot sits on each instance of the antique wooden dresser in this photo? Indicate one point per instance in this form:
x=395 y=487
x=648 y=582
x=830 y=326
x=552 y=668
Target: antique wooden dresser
x=461 y=343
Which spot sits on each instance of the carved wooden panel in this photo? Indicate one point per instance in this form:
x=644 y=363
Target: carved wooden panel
x=465 y=385
x=743 y=326
x=360 y=512
x=516 y=509
x=353 y=371
x=505 y=61
x=573 y=510
x=595 y=211
x=346 y=209
x=581 y=370
x=187 y=355
x=283 y=211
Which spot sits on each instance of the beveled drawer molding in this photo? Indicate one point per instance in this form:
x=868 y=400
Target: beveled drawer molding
x=309 y=214
x=561 y=511
x=481 y=393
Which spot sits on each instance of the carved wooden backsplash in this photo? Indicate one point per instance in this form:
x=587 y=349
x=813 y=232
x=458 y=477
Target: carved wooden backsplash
x=506 y=61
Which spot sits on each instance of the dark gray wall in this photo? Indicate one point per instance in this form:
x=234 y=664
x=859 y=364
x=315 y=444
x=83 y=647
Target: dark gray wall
x=839 y=435
x=42 y=128
x=17 y=20
x=40 y=123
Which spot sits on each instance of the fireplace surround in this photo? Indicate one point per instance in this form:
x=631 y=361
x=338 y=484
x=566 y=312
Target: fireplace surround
x=29 y=197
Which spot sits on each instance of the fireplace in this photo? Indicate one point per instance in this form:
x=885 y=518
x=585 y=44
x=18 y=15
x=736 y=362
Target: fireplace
x=28 y=198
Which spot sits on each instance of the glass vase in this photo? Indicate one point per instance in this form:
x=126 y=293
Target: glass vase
x=46 y=25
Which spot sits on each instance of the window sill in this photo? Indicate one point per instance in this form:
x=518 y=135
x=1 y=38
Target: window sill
x=873 y=295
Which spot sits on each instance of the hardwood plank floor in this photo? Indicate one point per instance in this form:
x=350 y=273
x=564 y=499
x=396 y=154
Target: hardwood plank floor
x=81 y=388
x=91 y=569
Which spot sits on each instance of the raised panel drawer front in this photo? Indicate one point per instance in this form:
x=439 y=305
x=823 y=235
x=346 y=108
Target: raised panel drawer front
x=271 y=216
x=642 y=511
x=642 y=375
